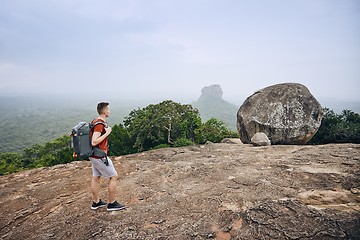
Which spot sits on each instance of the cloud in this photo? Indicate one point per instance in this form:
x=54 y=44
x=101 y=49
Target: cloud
x=7 y=68
x=176 y=47
x=110 y=10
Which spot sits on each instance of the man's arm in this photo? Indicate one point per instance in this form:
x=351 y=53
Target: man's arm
x=97 y=138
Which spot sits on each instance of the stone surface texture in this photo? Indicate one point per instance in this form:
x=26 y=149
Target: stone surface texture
x=260 y=139
x=217 y=191
x=287 y=113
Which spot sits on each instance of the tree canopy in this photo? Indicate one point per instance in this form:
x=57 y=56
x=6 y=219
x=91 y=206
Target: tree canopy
x=338 y=128
x=161 y=123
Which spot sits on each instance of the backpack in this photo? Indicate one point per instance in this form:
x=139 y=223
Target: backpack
x=81 y=141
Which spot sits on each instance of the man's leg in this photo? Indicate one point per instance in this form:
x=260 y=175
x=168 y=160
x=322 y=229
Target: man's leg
x=112 y=188
x=95 y=188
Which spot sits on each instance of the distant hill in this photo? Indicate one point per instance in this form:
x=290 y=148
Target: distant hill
x=26 y=121
x=212 y=105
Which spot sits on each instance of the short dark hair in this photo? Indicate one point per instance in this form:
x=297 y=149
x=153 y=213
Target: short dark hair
x=101 y=106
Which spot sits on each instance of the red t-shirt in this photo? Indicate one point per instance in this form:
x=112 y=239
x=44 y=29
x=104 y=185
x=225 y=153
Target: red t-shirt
x=101 y=129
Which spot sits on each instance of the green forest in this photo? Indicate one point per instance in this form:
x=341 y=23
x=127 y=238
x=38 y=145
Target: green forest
x=27 y=121
x=166 y=124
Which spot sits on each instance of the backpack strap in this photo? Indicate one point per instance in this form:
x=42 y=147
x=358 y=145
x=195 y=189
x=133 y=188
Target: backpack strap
x=92 y=125
x=97 y=123
x=97 y=152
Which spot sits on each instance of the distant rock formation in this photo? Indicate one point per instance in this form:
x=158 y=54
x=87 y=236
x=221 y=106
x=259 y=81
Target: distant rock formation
x=211 y=105
x=212 y=92
x=287 y=113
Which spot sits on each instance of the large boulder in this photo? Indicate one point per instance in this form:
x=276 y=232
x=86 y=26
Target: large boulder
x=287 y=113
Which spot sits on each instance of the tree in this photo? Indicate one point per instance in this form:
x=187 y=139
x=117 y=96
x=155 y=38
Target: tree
x=212 y=130
x=338 y=128
x=119 y=141
x=55 y=152
x=161 y=123
x=52 y=153
x=10 y=162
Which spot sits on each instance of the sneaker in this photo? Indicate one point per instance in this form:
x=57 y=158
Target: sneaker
x=100 y=204
x=115 y=206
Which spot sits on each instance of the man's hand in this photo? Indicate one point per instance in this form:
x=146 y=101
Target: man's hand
x=108 y=130
x=97 y=138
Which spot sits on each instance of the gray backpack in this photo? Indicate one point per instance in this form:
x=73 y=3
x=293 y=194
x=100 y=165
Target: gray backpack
x=81 y=142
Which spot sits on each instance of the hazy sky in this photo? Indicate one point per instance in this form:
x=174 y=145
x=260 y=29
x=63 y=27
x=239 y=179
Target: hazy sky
x=173 y=48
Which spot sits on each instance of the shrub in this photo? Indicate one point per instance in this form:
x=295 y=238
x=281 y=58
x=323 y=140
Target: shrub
x=55 y=152
x=183 y=142
x=160 y=146
x=10 y=163
x=212 y=130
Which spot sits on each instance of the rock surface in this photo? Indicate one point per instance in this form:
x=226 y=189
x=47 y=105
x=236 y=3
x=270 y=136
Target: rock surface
x=219 y=191
x=260 y=139
x=287 y=113
x=213 y=92
x=231 y=140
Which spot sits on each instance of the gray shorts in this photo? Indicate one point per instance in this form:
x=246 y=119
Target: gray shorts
x=100 y=169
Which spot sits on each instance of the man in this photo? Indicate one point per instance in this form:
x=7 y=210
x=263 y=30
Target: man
x=103 y=166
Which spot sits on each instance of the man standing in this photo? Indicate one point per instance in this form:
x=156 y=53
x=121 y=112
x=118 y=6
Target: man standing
x=103 y=166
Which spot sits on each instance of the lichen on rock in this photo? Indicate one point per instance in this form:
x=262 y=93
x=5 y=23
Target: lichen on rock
x=287 y=113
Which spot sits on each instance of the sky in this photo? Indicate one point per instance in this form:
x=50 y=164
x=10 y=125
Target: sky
x=172 y=48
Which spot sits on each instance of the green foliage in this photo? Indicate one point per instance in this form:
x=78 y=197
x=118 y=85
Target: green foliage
x=161 y=123
x=166 y=124
x=119 y=141
x=55 y=152
x=183 y=142
x=232 y=134
x=161 y=146
x=10 y=162
x=212 y=130
x=338 y=128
